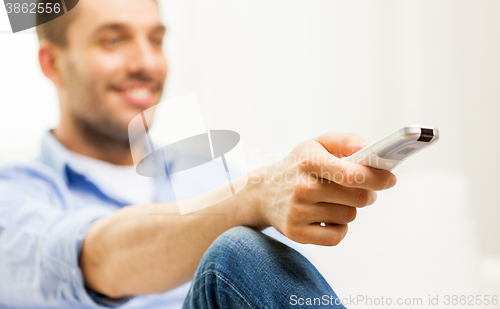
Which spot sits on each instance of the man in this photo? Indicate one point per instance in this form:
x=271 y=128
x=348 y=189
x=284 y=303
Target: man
x=77 y=225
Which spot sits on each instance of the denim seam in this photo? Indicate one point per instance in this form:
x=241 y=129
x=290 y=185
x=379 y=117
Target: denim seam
x=227 y=282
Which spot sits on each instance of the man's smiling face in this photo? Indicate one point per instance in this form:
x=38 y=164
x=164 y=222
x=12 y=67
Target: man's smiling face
x=113 y=66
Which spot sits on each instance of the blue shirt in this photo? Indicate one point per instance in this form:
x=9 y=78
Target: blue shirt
x=46 y=208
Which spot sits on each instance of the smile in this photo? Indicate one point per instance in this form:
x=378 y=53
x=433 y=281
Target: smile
x=140 y=95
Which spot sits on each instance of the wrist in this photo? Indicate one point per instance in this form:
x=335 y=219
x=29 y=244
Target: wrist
x=249 y=203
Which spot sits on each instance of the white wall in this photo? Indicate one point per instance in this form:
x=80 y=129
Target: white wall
x=280 y=71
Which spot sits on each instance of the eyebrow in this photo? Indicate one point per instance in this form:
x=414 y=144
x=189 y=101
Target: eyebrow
x=123 y=27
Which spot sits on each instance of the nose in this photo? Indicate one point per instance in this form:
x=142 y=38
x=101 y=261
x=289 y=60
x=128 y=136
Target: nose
x=143 y=57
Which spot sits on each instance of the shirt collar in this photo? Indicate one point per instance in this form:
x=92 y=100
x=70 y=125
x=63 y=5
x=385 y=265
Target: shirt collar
x=57 y=157
x=54 y=155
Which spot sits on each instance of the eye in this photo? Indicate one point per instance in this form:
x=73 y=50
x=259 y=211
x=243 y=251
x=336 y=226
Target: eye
x=156 y=41
x=113 y=41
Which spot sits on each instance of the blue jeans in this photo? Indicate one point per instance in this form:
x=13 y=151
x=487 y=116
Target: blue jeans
x=244 y=268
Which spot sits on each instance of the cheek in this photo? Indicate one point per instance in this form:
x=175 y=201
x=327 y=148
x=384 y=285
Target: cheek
x=162 y=66
x=103 y=67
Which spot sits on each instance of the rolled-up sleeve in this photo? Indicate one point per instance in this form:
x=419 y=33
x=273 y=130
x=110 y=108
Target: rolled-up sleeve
x=40 y=241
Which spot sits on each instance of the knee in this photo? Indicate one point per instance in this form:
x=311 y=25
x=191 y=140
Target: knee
x=243 y=245
x=239 y=233
x=246 y=257
x=237 y=241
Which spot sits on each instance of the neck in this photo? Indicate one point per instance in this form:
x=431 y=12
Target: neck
x=91 y=144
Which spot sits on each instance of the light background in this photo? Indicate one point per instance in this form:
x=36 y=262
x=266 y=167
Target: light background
x=281 y=71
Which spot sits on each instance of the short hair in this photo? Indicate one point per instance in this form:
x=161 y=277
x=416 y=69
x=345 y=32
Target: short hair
x=52 y=26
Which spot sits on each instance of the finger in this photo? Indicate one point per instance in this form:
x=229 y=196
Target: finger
x=329 y=235
x=341 y=144
x=326 y=212
x=333 y=193
x=354 y=175
x=321 y=164
x=322 y=190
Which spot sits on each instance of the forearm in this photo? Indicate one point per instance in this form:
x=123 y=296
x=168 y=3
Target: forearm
x=136 y=252
x=152 y=248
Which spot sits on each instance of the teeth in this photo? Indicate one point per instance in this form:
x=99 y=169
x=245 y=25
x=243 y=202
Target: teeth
x=139 y=93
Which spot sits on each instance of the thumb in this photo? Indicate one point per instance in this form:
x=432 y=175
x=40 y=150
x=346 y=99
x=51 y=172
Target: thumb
x=341 y=144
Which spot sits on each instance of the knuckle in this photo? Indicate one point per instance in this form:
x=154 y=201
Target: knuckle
x=344 y=172
x=352 y=142
x=295 y=213
x=373 y=197
x=363 y=198
x=306 y=160
x=351 y=138
x=302 y=190
x=311 y=161
x=352 y=135
x=327 y=135
x=350 y=214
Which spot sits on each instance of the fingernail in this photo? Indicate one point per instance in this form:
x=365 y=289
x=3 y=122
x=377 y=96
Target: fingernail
x=392 y=182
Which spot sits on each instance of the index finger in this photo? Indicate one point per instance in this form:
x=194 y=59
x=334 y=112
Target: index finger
x=327 y=166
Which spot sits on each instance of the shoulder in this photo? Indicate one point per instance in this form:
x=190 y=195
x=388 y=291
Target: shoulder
x=28 y=178
x=27 y=170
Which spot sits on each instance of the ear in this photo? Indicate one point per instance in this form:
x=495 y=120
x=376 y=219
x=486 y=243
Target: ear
x=48 y=57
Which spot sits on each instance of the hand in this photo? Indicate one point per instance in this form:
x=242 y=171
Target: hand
x=312 y=186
